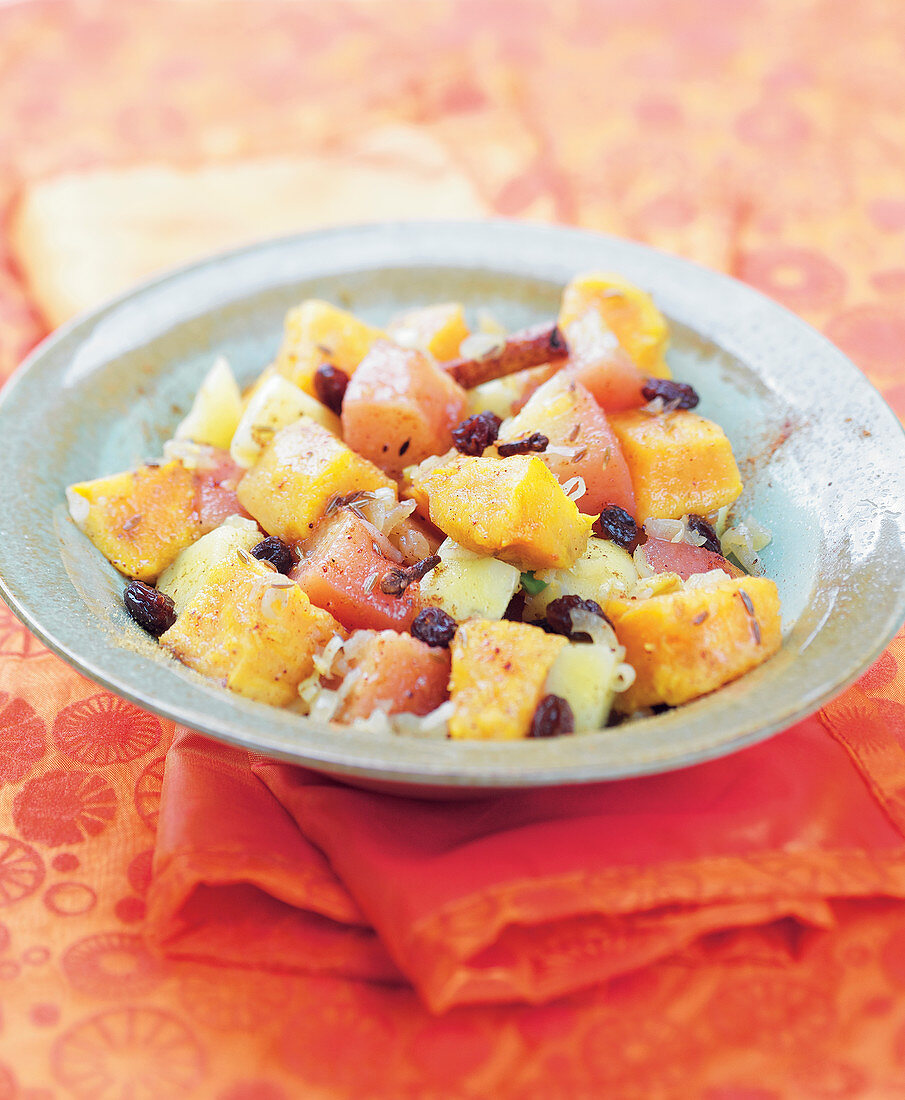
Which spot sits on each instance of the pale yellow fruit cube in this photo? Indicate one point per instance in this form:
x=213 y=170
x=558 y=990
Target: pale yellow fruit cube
x=216 y=410
x=275 y=404
x=604 y=571
x=585 y=675
x=196 y=563
x=468 y=585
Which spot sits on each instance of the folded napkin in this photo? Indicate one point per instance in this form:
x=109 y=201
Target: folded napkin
x=524 y=896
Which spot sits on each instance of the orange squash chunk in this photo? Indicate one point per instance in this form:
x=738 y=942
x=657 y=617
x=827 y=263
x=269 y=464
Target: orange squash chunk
x=399 y=408
x=439 y=329
x=141 y=519
x=299 y=471
x=511 y=508
x=627 y=311
x=679 y=463
x=397 y=673
x=251 y=629
x=684 y=644
x=499 y=670
x=317 y=332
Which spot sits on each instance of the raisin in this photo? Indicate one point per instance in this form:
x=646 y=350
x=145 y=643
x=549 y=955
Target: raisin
x=703 y=528
x=330 y=386
x=515 y=609
x=678 y=394
x=153 y=611
x=618 y=526
x=396 y=580
x=552 y=717
x=535 y=442
x=559 y=615
x=275 y=551
x=434 y=627
x=476 y=432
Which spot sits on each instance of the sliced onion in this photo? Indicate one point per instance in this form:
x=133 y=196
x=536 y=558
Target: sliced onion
x=586 y=622
x=412 y=545
x=643 y=569
x=408 y=338
x=692 y=537
x=323 y=661
x=381 y=542
x=711 y=579
x=575 y=488
x=193 y=456
x=669 y=530
x=659 y=407
x=624 y=677
x=434 y=725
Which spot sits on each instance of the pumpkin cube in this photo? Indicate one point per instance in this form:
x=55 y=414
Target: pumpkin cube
x=303 y=466
x=252 y=629
x=627 y=311
x=686 y=643
x=400 y=408
x=316 y=332
x=512 y=508
x=437 y=329
x=141 y=519
x=679 y=462
x=499 y=673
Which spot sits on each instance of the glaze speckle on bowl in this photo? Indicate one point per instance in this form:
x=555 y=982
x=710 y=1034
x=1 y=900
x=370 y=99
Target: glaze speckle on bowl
x=822 y=456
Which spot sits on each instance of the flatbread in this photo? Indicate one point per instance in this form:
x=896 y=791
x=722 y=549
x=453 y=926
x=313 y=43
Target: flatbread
x=82 y=237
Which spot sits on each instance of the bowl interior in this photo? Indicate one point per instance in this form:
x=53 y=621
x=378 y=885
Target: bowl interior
x=820 y=455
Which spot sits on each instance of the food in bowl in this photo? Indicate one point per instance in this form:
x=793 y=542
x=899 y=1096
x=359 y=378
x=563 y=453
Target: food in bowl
x=445 y=532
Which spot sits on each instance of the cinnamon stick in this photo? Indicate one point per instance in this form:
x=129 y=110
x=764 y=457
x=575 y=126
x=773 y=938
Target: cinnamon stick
x=530 y=347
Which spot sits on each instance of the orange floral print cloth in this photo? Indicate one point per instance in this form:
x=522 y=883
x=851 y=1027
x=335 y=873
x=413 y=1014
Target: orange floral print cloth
x=186 y=922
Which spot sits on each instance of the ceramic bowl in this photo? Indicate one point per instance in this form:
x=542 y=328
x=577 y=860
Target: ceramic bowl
x=821 y=455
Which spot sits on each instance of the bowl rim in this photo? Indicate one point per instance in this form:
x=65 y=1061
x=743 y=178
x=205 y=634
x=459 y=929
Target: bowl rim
x=425 y=763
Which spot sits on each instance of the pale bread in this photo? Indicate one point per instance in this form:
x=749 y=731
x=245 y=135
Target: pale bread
x=80 y=238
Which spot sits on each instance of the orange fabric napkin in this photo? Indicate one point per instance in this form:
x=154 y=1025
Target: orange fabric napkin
x=523 y=896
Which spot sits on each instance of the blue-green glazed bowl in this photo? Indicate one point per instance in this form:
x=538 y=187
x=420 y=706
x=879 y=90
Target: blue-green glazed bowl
x=822 y=456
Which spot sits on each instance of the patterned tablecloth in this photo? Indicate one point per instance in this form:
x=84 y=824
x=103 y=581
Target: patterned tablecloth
x=762 y=137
